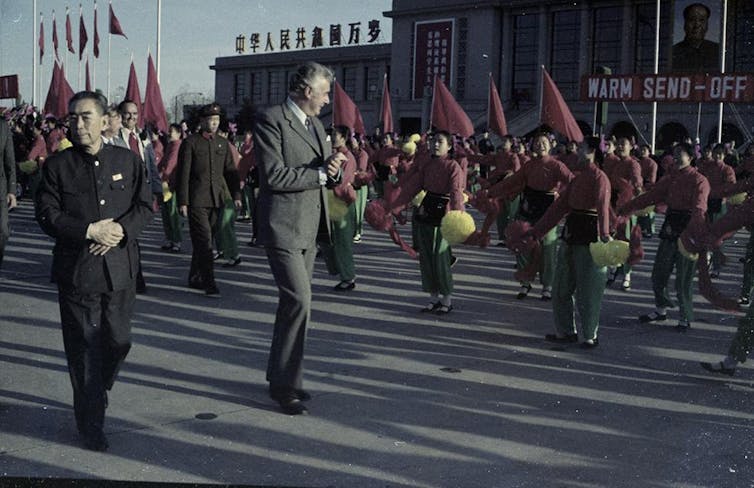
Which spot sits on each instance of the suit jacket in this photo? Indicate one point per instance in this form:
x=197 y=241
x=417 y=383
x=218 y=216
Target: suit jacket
x=8 y=166
x=148 y=157
x=78 y=189
x=291 y=203
x=206 y=172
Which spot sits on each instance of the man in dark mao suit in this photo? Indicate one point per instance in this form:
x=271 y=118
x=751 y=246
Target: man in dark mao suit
x=94 y=201
x=7 y=183
x=295 y=163
x=206 y=174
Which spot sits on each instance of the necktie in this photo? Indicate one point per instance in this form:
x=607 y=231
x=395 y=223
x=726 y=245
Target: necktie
x=310 y=128
x=134 y=144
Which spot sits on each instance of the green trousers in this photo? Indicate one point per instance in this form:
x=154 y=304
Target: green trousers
x=668 y=257
x=171 y=220
x=630 y=224
x=434 y=259
x=225 y=231
x=507 y=214
x=744 y=338
x=577 y=279
x=339 y=254
x=549 y=253
x=360 y=204
x=748 y=280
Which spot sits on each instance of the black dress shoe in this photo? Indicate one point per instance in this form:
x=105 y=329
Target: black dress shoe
x=652 y=317
x=590 y=344
x=212 y=291
x=718 y=368
x=292 y=406
x=302 y=394
x=96 y=441
x=196 y=284
x=345 y=286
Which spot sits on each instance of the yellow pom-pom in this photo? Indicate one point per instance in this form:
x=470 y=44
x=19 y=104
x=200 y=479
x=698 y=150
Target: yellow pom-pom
x=166 y=193
x=415 y=138
x=419 y=198
x=465 y=198
x=27 y=167
x=737 y=199
x=646 y=212
x=409 y=148
x=693 y=256
x=611 y=253
x=337 y=207
x=64 y=144
x=457 y=226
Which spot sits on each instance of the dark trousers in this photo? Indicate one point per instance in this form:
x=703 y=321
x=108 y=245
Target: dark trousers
x=292 y=270
x=201 y=222
x=4 y=224
x=97 y=338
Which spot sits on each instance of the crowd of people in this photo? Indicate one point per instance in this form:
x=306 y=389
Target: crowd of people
x=308 y=191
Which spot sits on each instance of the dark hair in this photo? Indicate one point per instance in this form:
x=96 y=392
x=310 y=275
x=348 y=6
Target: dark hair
x=688 y=9
x=99 y=100
x=176 y=127
x=687 y=148
x=444 y=134
x=305 y=75
x=122 y=105
x=343 y=131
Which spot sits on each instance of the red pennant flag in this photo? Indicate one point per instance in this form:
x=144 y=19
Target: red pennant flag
x=52 y=92
x=132 y=89
x=154 y=109
x=115 y=27
x=95 y=42
x=83 y=37
x=41 y=38
x=59 y=94
x=495 y=116
x=556 y=113
x=68 y=33
x=447 y=114
x=88 y=83
x=54 y=35
x=386 y=114
x=345 y=112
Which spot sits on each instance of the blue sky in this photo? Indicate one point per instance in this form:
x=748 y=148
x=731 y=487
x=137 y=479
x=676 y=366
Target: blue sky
x=194 y=33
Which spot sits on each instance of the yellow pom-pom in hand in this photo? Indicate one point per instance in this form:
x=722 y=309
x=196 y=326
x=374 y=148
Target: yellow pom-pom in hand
x=166 y=193
x=419 y=198
x=693 y=256
x=337 y=207
x=737 y=199
x=457 y=226
x=415 y=138
x=611 y=253
x=409 y=148
x=64 y=144
x=465 y=197
x=28 y=167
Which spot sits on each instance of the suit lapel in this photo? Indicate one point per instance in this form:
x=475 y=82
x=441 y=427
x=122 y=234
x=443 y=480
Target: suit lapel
x=299 y=128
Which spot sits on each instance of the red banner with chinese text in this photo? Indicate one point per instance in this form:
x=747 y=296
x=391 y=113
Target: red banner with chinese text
x=433 y=54
x=9 y=86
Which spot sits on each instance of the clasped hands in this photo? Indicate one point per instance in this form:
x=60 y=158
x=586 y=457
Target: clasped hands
x=106 y=234
x=332 y=167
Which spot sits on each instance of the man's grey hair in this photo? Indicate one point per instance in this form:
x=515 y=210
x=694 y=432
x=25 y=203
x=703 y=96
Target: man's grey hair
x=306 y=74
x=99 y=100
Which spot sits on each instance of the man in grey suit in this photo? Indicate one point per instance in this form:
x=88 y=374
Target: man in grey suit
x=296 y=164
x=7 y=183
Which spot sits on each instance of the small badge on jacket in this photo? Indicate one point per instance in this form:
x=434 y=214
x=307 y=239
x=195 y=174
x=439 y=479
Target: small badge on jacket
x=117 y=177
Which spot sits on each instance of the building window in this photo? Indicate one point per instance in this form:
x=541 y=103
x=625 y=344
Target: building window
x=564 y=51
x=525 y=68
x=644 y=56
x=349 y=81
x=239 y=88
x=255 y=85
x=372 y=83
x=608 y=40
x=274 y=87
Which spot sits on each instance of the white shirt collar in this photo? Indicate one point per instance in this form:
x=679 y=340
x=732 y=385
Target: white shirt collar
x=300 y=115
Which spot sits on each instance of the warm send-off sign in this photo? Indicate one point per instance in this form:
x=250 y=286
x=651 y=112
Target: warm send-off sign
x=714 y=87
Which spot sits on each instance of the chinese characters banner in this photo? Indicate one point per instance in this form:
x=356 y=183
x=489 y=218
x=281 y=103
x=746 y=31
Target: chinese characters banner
x=433 y=54
x=9 y=86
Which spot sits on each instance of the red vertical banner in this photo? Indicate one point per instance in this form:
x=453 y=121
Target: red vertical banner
x=433 y=54
x=9 y=86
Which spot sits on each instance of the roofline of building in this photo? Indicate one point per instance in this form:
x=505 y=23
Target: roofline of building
x=365 y=52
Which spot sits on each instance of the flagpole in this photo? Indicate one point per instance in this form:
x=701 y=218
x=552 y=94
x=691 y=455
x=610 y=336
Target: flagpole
x=94 y=60
x=432 y=105
x=81 y=14
x=722 y=69
x=489 y=99
x=656 y=70
x=109 y=42
x=159 y=29
x=67 y=17
x=34 y=81
x=542 y=91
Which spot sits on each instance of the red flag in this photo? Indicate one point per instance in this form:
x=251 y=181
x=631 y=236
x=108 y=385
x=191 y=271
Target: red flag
x=54 y=35
x=345 y=112
x=115 y=27
x=495 y=116
x=88 y=83
x=83 y=38
x=386 y=114
x=154 y=109
x=41 y=38
x=132 y=89
x=59 y=94
x=556 y=113
x=447 y=114
x=95 y=42
x=68 y=33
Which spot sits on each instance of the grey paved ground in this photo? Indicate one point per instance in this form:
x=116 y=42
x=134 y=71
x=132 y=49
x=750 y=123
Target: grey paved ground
x=636 y=412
